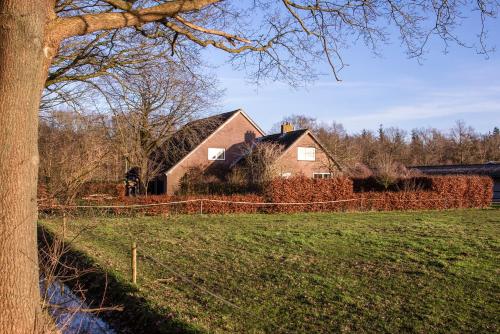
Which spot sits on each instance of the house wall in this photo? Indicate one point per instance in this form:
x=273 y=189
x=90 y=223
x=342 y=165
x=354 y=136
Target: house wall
x=231 y=136
x=288 y=162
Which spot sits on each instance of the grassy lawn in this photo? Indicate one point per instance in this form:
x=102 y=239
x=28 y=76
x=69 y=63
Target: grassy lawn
x=326 y=272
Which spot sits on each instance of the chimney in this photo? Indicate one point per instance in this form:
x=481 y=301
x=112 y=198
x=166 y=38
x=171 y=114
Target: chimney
x=286 y=127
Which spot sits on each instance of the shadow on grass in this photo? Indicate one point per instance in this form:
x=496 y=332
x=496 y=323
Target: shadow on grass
x=104 y=289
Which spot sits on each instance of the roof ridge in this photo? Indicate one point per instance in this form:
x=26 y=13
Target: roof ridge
x=280 y=133
x=211 y=116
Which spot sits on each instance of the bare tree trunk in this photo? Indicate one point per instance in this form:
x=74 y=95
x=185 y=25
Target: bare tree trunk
x=23 y=66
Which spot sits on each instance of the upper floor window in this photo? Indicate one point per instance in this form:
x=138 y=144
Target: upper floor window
x=322 y=175
x=216 y=154
x=306 y=153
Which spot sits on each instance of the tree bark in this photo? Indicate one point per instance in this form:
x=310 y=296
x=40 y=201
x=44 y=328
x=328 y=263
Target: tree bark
x=24 y=60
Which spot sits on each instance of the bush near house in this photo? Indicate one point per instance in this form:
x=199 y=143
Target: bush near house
x=372 y=183
x=198 y=181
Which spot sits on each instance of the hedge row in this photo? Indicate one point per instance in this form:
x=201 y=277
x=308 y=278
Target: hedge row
x=301 y=189
x=194 y=206
x=445 y=192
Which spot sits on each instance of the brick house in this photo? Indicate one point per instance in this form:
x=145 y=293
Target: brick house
x=216 y=143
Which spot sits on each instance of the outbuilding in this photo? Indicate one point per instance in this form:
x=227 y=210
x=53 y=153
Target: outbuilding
x=491 y=169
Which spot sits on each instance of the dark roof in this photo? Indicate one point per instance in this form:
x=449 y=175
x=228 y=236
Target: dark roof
x=190 y=136
x=283 y=139
x=491 y=169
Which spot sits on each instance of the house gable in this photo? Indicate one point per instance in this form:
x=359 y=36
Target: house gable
x=289 y=163
x=231 y=135
x=317 y=144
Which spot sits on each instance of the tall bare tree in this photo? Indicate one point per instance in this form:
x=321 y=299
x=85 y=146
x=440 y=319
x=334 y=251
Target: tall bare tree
x=74 y=149
x=150 y=105
x=462 y=136
x=393 y=146
x=282 y=38
x=260 y=164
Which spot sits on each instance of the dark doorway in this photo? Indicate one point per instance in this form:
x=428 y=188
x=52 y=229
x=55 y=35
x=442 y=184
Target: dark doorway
x=156 y=187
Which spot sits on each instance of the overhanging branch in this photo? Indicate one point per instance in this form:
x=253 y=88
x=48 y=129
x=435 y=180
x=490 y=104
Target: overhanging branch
x=65 y=27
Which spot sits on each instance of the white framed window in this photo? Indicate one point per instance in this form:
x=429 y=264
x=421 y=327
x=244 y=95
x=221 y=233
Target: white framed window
x=286 y=175
x=216 y=153
x=306 y=153
x=322 y=175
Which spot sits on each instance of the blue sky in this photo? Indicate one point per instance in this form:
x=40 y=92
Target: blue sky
x=391 y=89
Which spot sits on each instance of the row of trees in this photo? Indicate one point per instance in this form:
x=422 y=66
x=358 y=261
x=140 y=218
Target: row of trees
x=421 y=146
x=142 y=111
x=78 y=148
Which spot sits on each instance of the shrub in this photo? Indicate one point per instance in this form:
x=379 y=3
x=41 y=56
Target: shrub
x=359 y=171
x=197 y=182
x=301 y=189
x=259 y=163
x=388 y=172
x=109 y=188
x=403 y=184
x=222 y=204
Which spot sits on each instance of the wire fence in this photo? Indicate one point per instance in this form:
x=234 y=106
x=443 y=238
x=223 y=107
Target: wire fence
x=200 y=205
x=201 y=200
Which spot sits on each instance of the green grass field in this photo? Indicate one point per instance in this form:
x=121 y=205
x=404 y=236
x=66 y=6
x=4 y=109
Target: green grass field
x=326 y=272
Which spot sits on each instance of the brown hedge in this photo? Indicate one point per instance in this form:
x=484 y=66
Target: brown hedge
x=445 y=192
x=301 y=189
x=212 y=206
x=209 y=206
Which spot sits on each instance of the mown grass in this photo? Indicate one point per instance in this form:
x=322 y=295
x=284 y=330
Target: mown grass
x=326 y=272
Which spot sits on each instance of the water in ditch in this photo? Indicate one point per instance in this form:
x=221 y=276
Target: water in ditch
x=71 y=313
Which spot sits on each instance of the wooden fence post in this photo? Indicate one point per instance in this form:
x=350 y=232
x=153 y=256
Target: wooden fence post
x=64 y=226
x=201 y=206
x=134 y=262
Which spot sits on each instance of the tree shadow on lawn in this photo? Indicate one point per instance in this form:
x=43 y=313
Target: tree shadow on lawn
x=103 y=289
